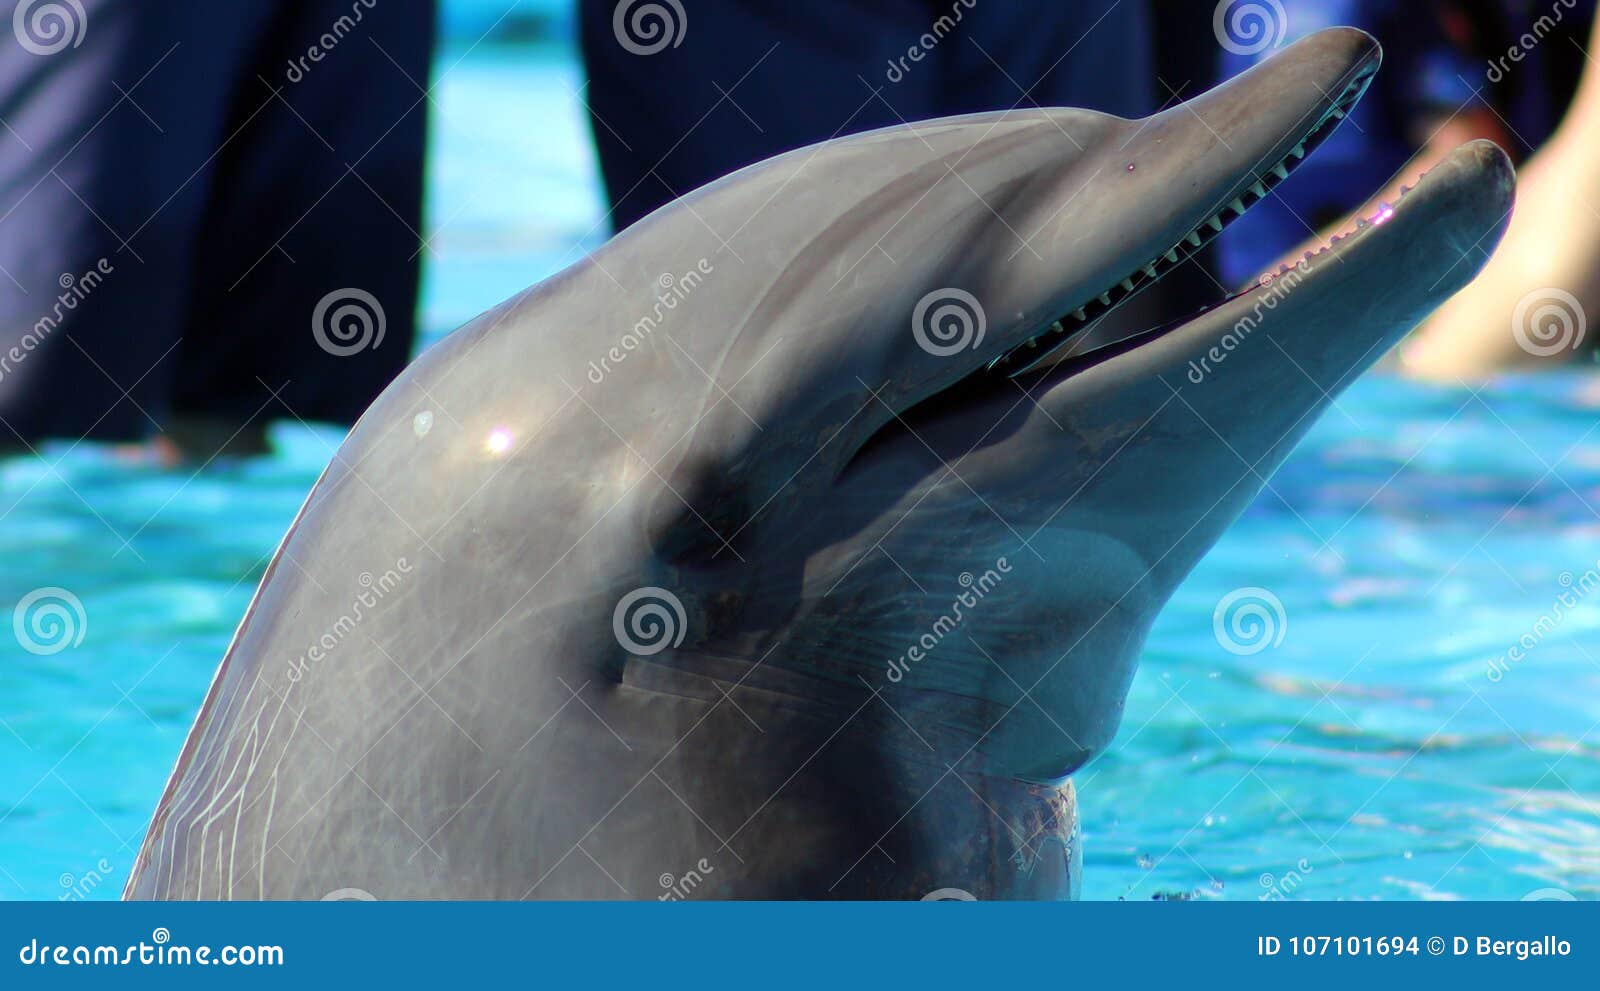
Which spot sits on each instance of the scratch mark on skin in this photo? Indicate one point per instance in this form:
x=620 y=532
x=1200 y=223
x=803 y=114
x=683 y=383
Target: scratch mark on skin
x=213 y=753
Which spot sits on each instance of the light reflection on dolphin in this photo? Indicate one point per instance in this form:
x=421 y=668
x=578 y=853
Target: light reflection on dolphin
x=720 y=585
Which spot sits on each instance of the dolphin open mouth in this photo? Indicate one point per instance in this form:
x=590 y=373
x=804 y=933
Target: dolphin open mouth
x=1252 y=189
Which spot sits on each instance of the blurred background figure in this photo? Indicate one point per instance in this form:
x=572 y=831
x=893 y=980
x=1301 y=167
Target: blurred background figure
x=1454 y=70
x=681 y=95
x=209 y=214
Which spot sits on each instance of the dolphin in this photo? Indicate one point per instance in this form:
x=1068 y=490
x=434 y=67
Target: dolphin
x=774 y=550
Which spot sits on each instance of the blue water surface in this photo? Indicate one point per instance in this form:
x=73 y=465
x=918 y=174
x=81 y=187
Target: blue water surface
x=1414 y=537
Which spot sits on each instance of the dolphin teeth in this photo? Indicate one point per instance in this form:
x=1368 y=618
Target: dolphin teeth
x=1150 y=269
x=1171 y=255
x=1193 y=238
x=1056 y=328
x=1105 y=299
x=1338 y=113
x=1299 y=151
x=1215 y=223
x=1237 y=206
x=1281 y=171
x=1258 y=191
x=1080 y=314
x=1127 y=284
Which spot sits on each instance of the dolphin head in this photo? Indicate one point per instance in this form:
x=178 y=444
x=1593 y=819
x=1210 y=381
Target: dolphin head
x=746 y=532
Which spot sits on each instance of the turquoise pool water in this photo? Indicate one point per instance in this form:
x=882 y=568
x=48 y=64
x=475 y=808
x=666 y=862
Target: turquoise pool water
x=1413 y=540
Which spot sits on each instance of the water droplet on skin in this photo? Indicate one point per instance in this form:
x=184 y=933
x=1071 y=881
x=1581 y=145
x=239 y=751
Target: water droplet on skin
x=422 y=423
x=1131 y=166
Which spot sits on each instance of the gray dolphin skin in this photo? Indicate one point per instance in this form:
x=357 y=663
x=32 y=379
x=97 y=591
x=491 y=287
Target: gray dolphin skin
x=758 y=555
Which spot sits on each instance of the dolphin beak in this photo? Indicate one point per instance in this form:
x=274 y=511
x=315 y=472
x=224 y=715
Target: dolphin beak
x=1212 y=158
x=1213 y=405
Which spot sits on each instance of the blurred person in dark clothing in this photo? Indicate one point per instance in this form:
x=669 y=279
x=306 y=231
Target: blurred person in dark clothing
x=1514 y=71
x=682 y=94
x=185 y=188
